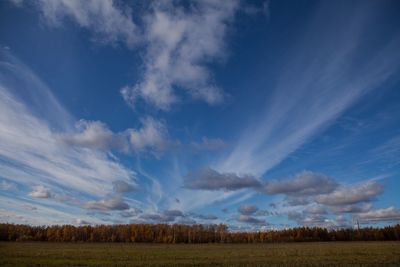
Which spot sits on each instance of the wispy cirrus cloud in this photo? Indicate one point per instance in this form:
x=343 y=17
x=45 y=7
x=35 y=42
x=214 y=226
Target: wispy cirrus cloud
x=321 y=78
x=33 y=158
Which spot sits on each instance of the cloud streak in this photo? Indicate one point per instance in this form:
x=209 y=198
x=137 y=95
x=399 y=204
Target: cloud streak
x=323 y=78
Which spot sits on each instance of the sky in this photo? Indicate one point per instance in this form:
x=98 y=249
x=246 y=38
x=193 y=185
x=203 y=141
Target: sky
x=255 y=114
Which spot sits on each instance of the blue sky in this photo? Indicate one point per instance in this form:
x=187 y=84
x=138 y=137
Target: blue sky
x=256 y=114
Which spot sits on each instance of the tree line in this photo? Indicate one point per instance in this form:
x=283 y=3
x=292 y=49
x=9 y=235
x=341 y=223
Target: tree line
x=179 y=233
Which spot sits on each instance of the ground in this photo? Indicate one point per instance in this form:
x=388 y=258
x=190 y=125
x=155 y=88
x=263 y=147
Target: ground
x=121 y=254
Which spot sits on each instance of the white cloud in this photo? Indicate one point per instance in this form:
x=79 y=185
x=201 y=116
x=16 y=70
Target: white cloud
x=152 y=136
x=30 y=153
x=123 y=187
x=180 y=41
x=94 y=135
x=109 y=22
x=321 y=78
x=40 y=191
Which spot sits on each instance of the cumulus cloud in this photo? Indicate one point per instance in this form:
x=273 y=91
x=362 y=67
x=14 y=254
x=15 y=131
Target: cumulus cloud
x=40 y=191
x=343 y=195
x=305 y=183
x=123 y=187
x=94 y=135
x=209 y=179
x=386 y=214
x=115 y=203
x=152 y=136
x=180 y=41
x=247 y=209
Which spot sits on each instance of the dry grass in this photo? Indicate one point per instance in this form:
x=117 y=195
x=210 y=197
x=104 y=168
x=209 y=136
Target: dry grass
x=112 y=254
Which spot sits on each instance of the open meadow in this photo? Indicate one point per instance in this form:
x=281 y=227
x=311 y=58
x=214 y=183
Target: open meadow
x=122 y=254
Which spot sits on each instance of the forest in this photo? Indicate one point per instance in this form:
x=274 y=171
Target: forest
x=180 y=233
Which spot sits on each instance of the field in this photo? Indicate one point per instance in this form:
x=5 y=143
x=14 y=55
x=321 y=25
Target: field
x=121 y=254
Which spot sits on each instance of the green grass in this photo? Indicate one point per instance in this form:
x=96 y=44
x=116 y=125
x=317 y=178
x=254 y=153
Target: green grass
x=120 y=254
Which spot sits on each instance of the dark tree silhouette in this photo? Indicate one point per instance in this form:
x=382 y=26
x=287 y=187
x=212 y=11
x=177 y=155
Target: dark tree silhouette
x=179 y=233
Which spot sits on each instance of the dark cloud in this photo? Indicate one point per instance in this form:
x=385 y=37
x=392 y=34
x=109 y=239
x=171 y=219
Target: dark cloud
x=250 y=220
x=209 y=179
x=186 y=221
x=131 y=213
x=316 y=218
x=205 y=216
x=263 y=213
x=165 y=217
x=343 y=195
x=390 y=214
x=123 y=187
x=305 y=183
x=82 y=222
x=173 y=213
x=351 y=208
x=296 y=201
x=316 y=209
x=247 y=209
x=107 y=204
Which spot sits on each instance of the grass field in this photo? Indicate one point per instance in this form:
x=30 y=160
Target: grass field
x=120 y=254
